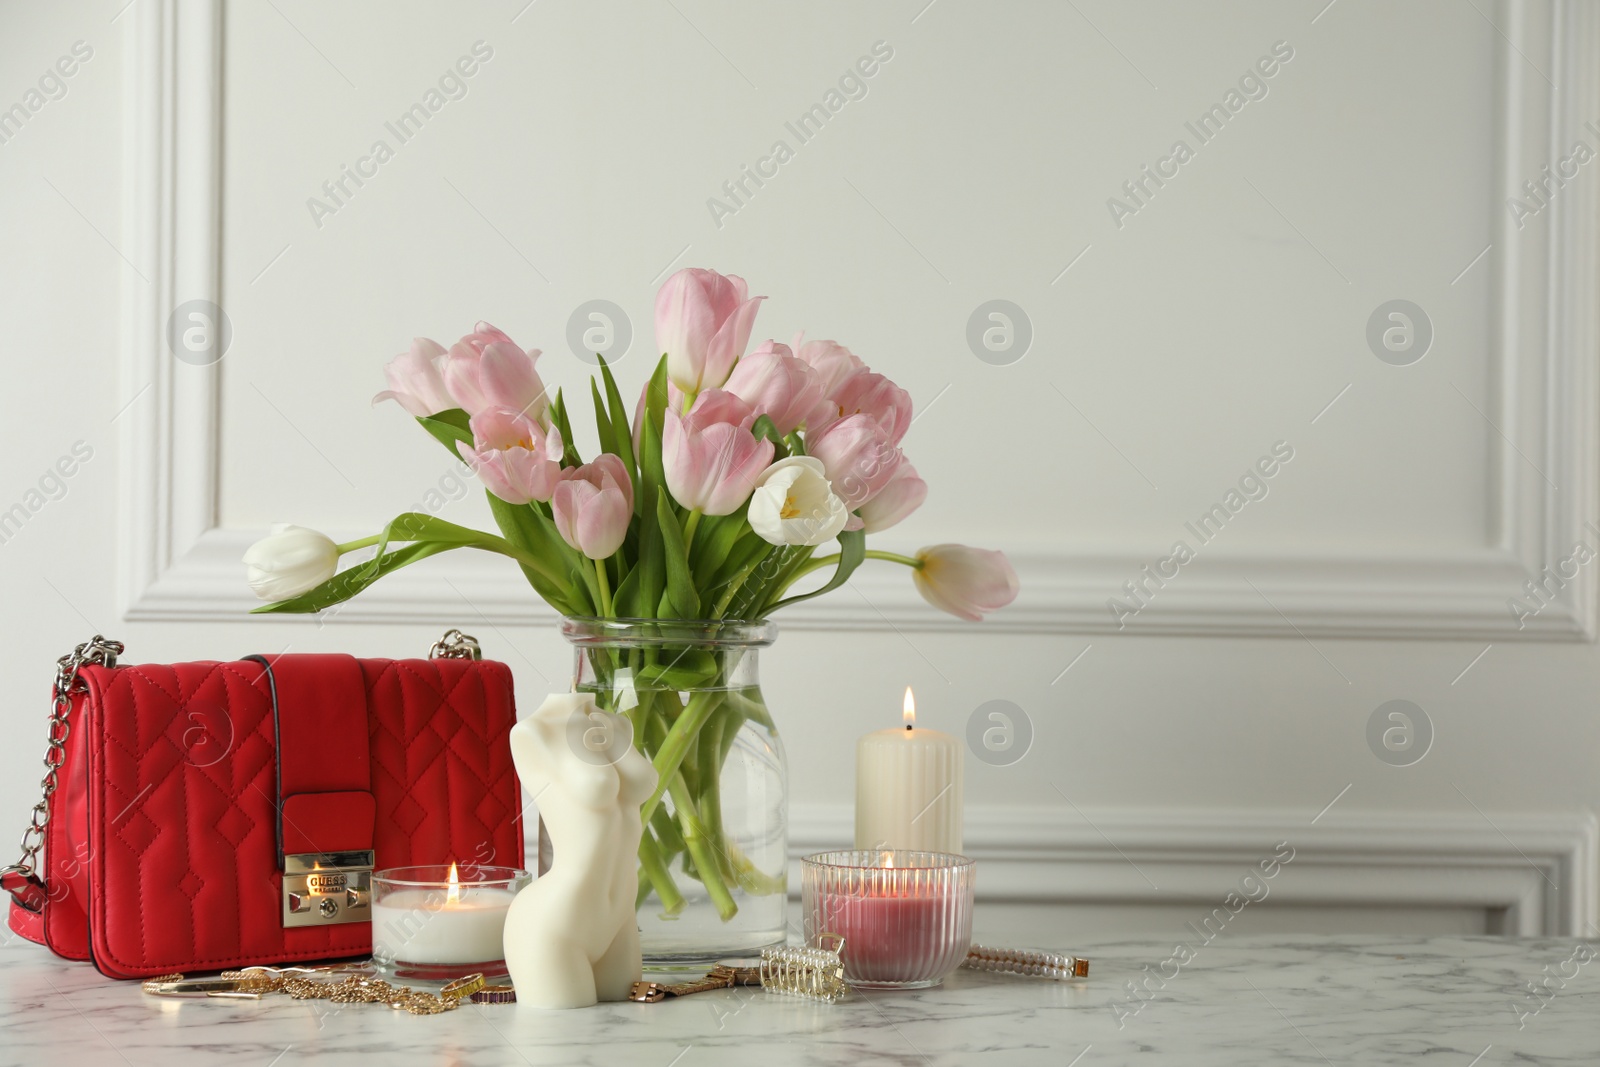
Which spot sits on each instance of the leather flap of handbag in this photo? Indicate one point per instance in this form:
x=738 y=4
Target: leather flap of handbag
x=324 y=767
x=327 y=822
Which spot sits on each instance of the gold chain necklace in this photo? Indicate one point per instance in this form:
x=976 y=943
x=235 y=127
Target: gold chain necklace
x=324 y=983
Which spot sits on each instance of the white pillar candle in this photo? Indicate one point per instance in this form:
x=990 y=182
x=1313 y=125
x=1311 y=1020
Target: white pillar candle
x=908 y=788
x=437 y=926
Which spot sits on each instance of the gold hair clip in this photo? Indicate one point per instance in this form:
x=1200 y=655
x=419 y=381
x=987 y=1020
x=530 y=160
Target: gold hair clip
x=1030 y=962
x=804 y=971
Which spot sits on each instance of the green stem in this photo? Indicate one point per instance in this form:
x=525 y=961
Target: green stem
x=605 y=586
x=690 y=525
x=710 y=794
x=751 y=709
x=360 y=542
x=667 y=832
x=735 y=585
x=655 y=870
x=780 y=582
x=893 y=557
x=871 y=553
x=708 y=866
x=785 y=581
x=669 y=757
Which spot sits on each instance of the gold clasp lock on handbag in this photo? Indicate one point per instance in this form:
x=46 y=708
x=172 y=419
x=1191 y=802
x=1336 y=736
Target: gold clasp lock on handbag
x=324 y=888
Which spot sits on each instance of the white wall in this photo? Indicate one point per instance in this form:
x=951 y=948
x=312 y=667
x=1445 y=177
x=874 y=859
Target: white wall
x=1169 y=353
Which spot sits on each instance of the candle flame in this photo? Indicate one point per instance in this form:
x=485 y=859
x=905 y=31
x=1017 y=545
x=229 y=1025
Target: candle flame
x=454 y=895
x=909 y=709
x=888 y=861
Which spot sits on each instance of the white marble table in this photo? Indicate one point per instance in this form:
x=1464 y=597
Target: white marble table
x=1247 y=1000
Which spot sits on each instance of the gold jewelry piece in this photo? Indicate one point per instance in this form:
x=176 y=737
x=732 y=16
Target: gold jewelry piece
x=1052 y=965
x=803 y=971
x=744 y=970
x=724 y=975
x=463 y=987
x=356 y=985
x=495 y=994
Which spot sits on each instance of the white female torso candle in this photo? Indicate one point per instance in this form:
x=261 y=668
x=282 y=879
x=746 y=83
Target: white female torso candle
x=571 y=938
x=908 y=788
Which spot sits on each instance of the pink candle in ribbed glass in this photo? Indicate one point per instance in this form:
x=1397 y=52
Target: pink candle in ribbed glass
x=905 y=916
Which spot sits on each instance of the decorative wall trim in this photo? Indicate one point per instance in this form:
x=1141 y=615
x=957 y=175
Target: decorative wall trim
x=1538 y=868
x=176 y=565
x=172 y=210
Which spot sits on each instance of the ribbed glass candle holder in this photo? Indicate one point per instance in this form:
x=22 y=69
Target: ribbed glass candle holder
x=905 y=916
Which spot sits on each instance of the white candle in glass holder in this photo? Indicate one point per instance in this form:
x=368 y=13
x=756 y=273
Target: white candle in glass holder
x=458 y=924
x=908 y=787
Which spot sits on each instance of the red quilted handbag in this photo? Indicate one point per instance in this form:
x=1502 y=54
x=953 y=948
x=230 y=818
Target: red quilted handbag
x=203 y=816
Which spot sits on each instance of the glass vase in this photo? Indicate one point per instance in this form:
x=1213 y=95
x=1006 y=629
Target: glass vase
x=713 y=860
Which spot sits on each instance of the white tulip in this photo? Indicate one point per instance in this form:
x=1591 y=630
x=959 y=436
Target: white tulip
x=794 y=505
x=289 y=561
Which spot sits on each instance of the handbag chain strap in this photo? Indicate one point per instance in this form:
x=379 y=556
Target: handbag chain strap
x=98 y=651
x=455 y=645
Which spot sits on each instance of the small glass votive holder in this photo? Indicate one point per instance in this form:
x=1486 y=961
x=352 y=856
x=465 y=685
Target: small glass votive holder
x=905 y=915
x=439 y=922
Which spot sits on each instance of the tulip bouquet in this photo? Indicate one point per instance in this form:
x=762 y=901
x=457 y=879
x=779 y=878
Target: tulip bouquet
x=710 y=503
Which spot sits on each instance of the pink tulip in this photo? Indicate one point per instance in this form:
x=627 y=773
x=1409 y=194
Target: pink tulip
x=714 y=406
x=703 y=322
x=778 y=385
x=871 y=395
x=900 y=496
x=487 y=370
x=674 y=403
x=516 y=459
x=858 y=455
x=416 y=379
x=592 y=505
x=832 y=361
x=712 y=460
x=967 y=582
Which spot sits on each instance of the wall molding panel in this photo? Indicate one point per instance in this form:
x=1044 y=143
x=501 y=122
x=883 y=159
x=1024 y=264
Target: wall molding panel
x=1538 y=869
x=1540 y=402
x=176 y=564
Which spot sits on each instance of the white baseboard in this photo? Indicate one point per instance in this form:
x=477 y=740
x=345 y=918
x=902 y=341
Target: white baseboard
x=1538 y=868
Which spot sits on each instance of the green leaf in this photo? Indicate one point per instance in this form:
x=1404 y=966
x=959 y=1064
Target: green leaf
x=743 y=591
x=716 y=538
x=852 y=550
x=448 y=427
x=655 y=402
x=680 y=586
x=347 y=583
x=649 y=574
x=625 y=601
x=620 y=425
x=748 y=547
x=558 y=415
x=530 y=531
x=602 y=421
x=764 y=427
x=417 y=526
